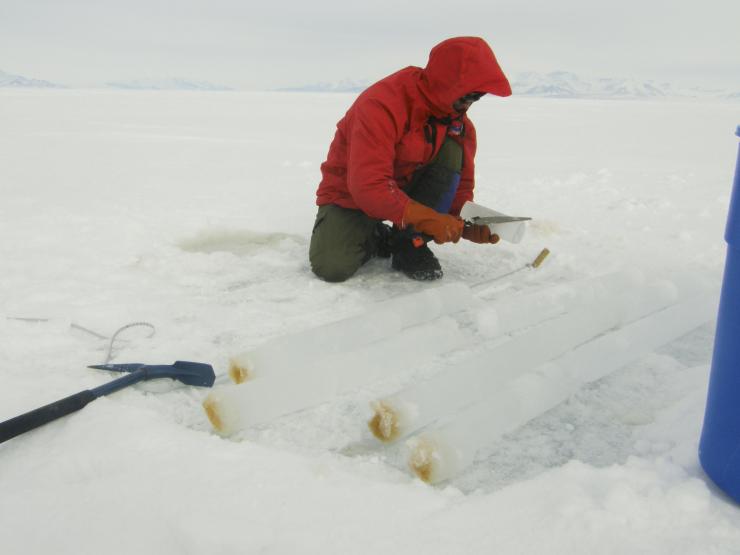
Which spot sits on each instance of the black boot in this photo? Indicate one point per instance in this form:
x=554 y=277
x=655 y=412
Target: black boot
x=383 y=239
x=418 y=263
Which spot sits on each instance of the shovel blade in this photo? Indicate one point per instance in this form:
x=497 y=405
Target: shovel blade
x=195 y=373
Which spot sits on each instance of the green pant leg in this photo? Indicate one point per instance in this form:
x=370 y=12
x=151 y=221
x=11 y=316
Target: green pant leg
x=450 y=155
x=341 y=242
x=435 y=184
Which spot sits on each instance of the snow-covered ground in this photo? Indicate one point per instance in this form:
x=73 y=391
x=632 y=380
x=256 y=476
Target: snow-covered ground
x=192 y=211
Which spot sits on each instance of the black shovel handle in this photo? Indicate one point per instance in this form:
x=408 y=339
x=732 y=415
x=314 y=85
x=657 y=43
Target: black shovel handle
x=43 y=415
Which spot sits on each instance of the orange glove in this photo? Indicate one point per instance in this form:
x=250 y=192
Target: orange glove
x=442 y=227
x=479 y=234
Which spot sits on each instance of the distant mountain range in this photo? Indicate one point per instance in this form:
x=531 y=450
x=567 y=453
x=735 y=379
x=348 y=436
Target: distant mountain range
x=345 y=85
x=18 y=81
x=556 y=84
x=559 y=84
x=171 y=84
x=10 y=80
x=563 y=84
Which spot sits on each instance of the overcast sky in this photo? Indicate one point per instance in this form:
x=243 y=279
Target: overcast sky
x=271 y=43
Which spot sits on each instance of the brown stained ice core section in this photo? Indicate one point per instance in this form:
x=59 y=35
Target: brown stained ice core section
x=211 y=408
x=238 y=373
x=384 y=424
x=421 y=461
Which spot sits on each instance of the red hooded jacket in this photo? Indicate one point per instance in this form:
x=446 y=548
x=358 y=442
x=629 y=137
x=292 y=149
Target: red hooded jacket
x=386 y=134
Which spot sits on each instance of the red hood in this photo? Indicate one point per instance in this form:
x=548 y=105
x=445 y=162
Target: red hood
x=459 y=66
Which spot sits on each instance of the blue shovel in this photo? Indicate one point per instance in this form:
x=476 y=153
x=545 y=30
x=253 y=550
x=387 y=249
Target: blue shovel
x=189 y=373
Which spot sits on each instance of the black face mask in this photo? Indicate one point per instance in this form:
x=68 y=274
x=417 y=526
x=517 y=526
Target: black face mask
x=472 y=97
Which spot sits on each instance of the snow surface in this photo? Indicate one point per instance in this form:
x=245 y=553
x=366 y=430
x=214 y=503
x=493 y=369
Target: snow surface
x=192 y=211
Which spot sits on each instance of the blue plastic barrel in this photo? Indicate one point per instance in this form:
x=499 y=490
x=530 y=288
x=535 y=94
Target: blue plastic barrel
x=719 y=448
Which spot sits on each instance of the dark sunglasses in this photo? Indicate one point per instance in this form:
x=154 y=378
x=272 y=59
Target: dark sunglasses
x=472 y=97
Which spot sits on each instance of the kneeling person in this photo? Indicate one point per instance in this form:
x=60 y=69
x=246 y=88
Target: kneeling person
x=404 y=152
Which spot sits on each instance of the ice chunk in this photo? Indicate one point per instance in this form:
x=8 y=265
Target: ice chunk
x=233 y=407
x=440 y=453
x=428 y=304
x=517 y=312
x=288 y=354
x=474 y=378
